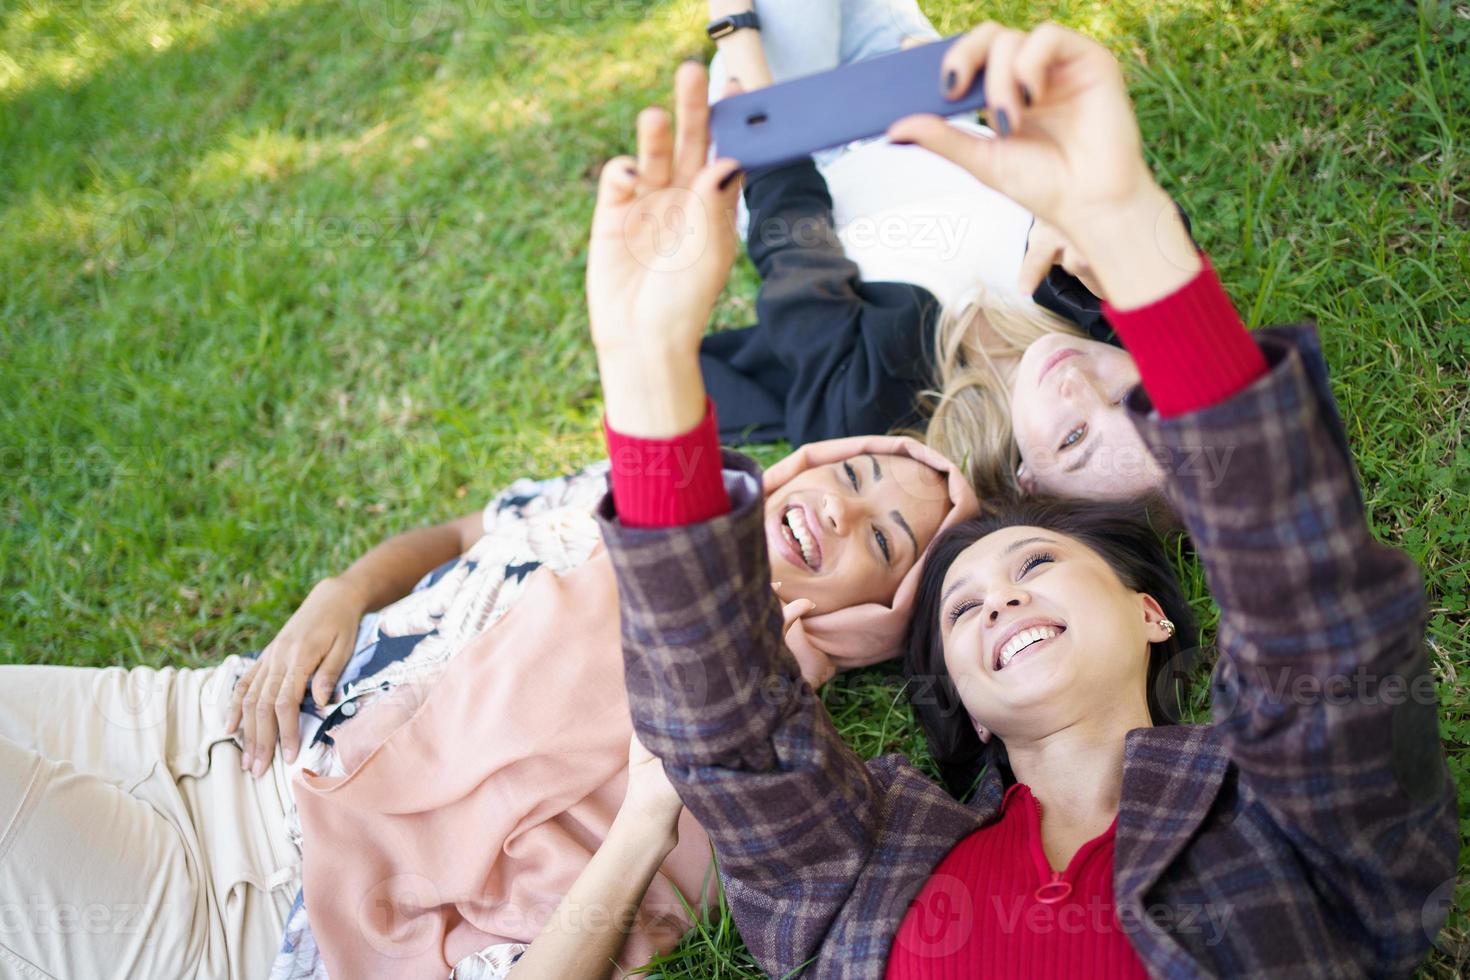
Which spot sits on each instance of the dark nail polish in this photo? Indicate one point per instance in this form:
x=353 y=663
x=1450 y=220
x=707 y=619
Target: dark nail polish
x=732 y=175
x=1002 y=122
x=1025 y=96
x=951 y=79
x=902 y=142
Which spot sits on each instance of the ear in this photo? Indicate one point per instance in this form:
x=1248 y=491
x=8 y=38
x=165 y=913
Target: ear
x=1024 y=479
x=980 y=730
x=1154 y=619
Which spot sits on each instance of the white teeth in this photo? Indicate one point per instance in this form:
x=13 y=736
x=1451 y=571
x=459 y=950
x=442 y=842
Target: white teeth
x=796 y=520
x=1024 y=639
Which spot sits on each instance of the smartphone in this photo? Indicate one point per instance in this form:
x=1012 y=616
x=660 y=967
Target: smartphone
x=793 y=119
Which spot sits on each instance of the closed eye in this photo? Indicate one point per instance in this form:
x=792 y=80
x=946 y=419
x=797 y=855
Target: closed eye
x=1039 y=558
x=851 y=474
x=959 y=609
x=883 y=544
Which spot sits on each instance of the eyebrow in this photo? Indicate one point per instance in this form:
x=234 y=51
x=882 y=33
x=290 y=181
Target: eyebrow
x=1012 y=547
x=1080 y=461
x=877 y=473
x=1015 y=546
x=898 y=519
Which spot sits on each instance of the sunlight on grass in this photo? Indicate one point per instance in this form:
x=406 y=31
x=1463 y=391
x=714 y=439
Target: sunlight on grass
x=68 y=41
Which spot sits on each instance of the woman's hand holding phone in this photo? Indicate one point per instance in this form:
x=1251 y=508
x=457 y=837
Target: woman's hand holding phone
x=662 y=245
x=1069 y=150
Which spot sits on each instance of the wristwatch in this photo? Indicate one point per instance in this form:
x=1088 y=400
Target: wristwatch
x=726 y=26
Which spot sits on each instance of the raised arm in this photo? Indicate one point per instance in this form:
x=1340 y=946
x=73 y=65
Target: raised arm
x=792 y=811
x=1323 y=694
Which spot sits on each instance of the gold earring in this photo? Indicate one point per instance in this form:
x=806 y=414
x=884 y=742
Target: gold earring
x=1167 y=625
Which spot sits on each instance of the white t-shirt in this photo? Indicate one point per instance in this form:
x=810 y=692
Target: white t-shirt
x=904 y=214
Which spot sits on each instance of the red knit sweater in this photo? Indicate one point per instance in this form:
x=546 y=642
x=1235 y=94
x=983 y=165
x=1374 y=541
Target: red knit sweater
x=994 y=907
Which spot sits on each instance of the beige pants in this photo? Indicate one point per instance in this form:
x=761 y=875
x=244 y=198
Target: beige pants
x=131 y=844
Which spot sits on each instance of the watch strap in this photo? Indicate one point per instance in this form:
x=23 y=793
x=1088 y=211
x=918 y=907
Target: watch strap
x=725 y=26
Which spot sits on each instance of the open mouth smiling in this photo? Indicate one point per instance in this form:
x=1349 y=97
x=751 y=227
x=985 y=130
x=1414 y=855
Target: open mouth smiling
x=803 y=540
x=1026 y=636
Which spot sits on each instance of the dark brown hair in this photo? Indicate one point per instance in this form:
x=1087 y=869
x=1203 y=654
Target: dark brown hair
x=1132 y=545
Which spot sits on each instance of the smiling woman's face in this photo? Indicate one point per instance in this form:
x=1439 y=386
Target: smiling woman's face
x=846 y=533
x=1070 y=425
x=1040 y=632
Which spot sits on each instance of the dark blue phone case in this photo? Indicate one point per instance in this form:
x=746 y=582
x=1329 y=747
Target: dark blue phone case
x=788 y=121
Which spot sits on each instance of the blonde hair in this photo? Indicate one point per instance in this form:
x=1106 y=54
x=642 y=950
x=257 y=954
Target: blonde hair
x=970 y=409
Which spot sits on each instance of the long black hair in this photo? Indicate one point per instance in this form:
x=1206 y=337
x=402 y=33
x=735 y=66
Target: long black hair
x=1133 y=546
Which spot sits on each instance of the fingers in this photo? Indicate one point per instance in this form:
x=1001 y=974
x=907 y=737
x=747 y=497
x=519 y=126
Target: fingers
x=937 y=136
x=618 y=182
x=259 y=718
x=1046 y=46
x=718 y=187
x=616 y=188
x=691 y=121
x=965 y=58
x=237 y=697
x=719 y=182
x=324 y=683
x=1036 y=263
x=794 y=610
x=263 y=745
x=248 y=713
x=1017 y=66
x=287 y=714
x=655 y=149
x=1002 y=92
x=1077 y=264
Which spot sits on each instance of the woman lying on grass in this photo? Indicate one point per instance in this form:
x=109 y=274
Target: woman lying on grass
x=448 y=801
x=933 y=329
x=861 y=247
x=451 y=793
x=1300 y=834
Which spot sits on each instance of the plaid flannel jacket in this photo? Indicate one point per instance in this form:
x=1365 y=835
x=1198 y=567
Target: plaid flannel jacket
x=1301 y=834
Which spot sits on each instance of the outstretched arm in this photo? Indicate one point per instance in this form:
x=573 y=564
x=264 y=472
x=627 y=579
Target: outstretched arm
x=713 y=691
x=1323 y=694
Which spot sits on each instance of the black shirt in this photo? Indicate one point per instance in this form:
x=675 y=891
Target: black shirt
x=832 y=355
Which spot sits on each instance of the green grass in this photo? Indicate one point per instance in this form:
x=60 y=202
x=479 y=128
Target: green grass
x=279 y=278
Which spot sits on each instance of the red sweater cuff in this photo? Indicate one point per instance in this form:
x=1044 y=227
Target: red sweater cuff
x=1191 y=347
x=668 y=482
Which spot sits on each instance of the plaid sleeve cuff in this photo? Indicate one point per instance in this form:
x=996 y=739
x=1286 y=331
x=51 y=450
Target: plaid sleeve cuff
x=668 y=482
x=1191 y=347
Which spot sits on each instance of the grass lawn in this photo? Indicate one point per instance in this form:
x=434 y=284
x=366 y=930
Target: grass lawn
x=281 y=277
